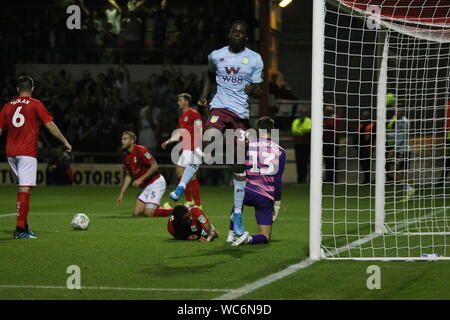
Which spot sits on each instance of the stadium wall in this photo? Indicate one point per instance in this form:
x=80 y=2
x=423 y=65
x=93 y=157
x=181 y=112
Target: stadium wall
x=111 y=175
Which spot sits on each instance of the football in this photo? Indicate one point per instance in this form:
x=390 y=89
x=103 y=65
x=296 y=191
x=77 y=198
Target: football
x=80 y=221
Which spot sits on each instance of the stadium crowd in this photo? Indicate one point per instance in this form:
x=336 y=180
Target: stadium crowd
x=129 y=24
x=93 y=112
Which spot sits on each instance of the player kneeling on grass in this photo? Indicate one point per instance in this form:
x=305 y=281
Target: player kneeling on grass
x=190 y=224
x=141 y=170
x=264 y=166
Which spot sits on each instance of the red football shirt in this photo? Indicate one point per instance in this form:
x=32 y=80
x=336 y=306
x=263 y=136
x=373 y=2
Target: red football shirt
x=21 y=118
x=186 y=121
x=137 y=162
x=199 y=220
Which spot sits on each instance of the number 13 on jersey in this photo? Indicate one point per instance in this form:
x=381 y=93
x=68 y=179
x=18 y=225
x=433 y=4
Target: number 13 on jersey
x=264 y=167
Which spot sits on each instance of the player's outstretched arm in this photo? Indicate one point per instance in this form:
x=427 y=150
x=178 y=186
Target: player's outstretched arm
x=211 y=231
x=174 y=138
x=126 y=184
x=207 y=84
x=54 y=130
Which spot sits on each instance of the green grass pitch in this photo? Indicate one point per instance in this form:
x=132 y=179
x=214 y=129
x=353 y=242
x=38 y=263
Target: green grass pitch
x=121 y=257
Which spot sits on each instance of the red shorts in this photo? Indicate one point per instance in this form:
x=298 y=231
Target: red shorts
x=222 y=119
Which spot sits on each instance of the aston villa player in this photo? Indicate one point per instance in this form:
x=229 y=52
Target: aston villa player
x=237 y=71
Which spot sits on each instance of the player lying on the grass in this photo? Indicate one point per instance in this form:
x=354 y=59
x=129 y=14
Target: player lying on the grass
x=141 y=170
x=264 y=167
x=189 y=120
x=21 y=117
x=190 y=224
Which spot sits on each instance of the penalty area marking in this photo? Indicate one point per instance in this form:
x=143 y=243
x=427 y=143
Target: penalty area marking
x=112 y=288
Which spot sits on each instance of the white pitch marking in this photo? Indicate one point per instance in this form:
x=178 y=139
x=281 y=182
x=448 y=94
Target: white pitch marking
x=7 y=215
x=113 y=288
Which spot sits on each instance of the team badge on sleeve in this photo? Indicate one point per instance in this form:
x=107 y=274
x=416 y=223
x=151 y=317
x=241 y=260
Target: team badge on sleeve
x=214 y=119
x=245 y=61
x=147 y=155
x=202 y=219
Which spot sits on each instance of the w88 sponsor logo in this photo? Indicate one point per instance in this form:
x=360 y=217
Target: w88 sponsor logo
x=233 y=79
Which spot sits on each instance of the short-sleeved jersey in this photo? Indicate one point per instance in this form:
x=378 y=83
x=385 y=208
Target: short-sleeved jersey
x=401 y=135
x=137 y=162
x=199 y=220
x=187 y=121
x=264 y=166
x=21 y=118
x=233 y=72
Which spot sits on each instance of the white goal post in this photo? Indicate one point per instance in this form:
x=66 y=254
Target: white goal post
x=380 y=142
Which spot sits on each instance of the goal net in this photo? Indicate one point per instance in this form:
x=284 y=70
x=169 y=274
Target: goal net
x=380 y=130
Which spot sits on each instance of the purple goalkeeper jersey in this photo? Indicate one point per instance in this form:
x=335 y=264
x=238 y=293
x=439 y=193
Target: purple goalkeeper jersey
x=264 y=166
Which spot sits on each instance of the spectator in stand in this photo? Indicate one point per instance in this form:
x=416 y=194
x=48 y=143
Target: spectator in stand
x=366 y=143
x=132 y=31
x=113 y=14
x=301 y=132
x=273 y=86
x=146 y=135
x=109 y=38
x=123 y=81
x=161 y=16
x=331 y=138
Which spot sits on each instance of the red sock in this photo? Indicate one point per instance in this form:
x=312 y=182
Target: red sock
x=162 y=212
x=23 y=206
x=187 y=192
x=195 y=188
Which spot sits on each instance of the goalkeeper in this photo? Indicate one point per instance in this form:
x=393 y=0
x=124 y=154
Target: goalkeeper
x=264 y=166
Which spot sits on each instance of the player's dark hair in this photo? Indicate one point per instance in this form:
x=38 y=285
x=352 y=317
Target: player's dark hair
x=131 y=134
x=265 y=123
x=179 y=211
x=185 y=96
x=181 y=226
x=242 y=23
x=25 y=83
x=182 y=229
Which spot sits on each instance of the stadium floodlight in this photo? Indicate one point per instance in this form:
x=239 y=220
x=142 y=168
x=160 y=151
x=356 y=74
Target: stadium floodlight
x=367 y=53
x=284 y=3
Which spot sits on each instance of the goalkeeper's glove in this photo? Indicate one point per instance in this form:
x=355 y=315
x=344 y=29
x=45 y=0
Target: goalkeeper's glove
x=276 y=210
